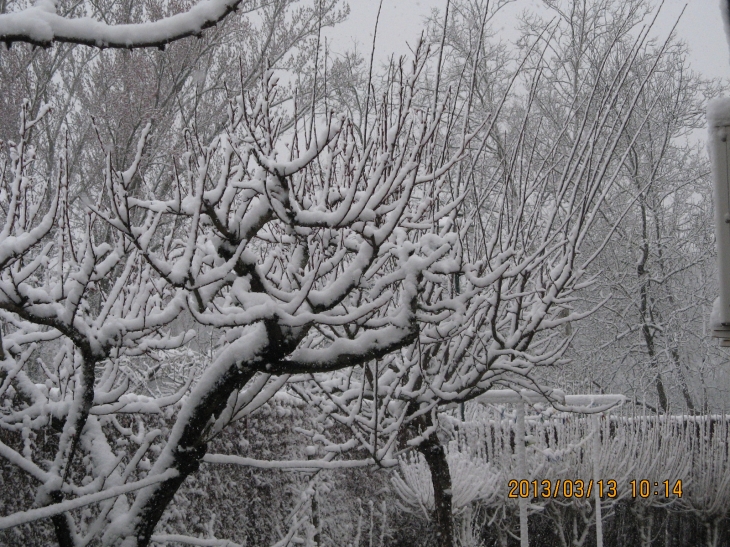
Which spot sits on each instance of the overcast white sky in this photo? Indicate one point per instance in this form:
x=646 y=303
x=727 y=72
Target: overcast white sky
x=402 y=20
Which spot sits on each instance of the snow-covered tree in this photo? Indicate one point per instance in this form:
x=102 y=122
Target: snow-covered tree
x=549 y=158
x=386 y=269
x=73 y=308
x=306 y=249
x=659 y=267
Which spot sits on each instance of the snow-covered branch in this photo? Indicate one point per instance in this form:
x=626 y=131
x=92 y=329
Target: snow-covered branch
x=41 y=25
x=69 y=505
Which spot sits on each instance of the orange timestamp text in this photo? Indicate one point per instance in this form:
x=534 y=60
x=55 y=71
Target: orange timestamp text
x=584 y=489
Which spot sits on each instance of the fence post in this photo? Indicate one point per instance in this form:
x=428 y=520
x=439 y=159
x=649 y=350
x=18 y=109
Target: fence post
x=521 y=470
x=597 y=476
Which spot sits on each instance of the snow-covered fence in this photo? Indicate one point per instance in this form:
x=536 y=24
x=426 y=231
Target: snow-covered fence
x=650 y=464
x=707 y=495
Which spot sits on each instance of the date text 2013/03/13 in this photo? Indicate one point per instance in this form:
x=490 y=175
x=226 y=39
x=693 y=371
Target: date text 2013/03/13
x=584 y=489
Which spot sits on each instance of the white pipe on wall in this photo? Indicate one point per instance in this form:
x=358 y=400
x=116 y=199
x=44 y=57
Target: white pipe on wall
x=718 y=121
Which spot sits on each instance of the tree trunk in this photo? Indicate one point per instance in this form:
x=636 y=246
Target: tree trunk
x=645 y=309
x=435 y=456
x=683 y=381
x=315 y=519
x=185 y=453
